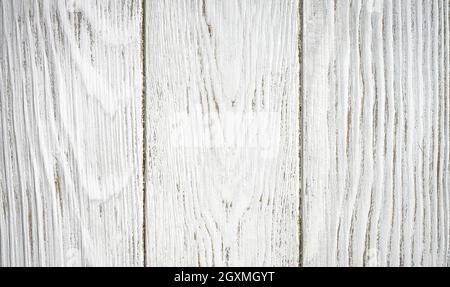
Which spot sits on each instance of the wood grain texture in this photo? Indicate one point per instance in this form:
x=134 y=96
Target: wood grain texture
x=70 y=133
x=222 y=137
x=224 y=133
x=376 y=133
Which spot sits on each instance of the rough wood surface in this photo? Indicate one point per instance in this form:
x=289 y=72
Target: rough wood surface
x=224 y=132
x=222 y=138
x=70 y=133
x=376 y=133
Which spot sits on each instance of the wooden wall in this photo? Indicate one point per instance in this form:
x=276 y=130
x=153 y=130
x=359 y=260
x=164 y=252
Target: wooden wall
x=224 y=133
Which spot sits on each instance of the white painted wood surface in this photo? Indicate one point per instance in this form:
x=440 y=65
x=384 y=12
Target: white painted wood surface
x=222 y=138
x=224 y=133
x=71 y=133
x=376 y=133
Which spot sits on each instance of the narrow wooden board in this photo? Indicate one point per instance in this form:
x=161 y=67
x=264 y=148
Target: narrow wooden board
x=222 y=131
x=70 y=133
x=376 y=133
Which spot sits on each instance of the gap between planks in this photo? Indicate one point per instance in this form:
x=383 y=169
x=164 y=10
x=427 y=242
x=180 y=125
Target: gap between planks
x=300 y=132
x=144 y=133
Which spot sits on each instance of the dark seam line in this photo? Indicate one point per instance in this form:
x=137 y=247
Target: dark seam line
x=144 y=132
x=300 y=129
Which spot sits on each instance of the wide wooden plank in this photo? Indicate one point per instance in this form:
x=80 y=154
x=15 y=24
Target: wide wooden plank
x=376 y=133
x=222 y=133
x=70 y=133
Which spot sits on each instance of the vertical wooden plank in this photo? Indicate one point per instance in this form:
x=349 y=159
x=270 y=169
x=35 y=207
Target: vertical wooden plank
x=70 y=133
x=376 y=121
x=222 y=115
x=447 y=115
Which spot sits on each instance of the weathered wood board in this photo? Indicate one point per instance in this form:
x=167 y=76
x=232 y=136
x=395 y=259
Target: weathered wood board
x=70 y=133
x=376 y=133
x=222 y=133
